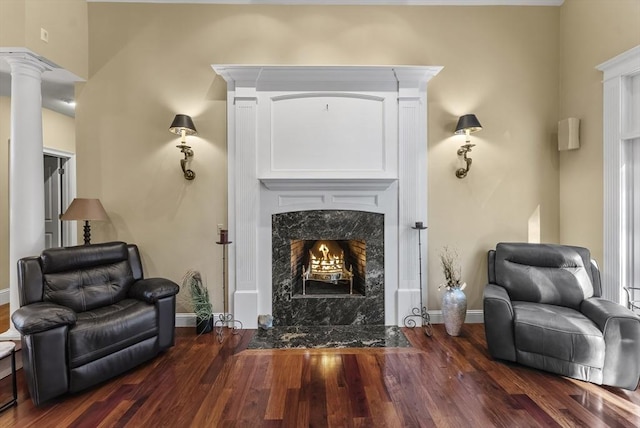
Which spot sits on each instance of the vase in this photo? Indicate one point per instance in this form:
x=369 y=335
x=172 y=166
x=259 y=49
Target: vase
x=454 y=310
x=204 y=325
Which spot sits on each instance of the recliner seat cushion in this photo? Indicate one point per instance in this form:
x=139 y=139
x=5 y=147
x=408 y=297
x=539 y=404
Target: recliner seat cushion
x=109 y=329
x=559 y=333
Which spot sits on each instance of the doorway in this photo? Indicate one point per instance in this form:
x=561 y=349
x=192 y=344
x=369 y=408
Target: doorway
x=59 y=191
x=53 y=194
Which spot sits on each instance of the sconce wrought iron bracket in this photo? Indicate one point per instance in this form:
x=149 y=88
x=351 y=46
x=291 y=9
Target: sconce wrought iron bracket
x=188 y=154
x=462 y=151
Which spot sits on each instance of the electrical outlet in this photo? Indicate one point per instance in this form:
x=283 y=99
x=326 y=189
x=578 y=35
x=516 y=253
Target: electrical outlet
x=44 y=35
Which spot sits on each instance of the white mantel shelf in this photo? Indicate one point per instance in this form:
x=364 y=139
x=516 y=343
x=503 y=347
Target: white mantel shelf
x=359 y=77
x=364 y=184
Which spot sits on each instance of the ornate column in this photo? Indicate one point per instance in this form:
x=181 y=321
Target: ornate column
x=26 y=173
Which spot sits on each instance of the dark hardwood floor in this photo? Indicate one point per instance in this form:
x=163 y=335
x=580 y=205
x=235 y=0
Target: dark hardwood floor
x=442 y=381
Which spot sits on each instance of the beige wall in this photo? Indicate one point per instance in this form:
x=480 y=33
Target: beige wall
x=501 y=63
x=66 y=21
x=12 y=22
x=592 y=31
x=58 y=132
x=67 y=24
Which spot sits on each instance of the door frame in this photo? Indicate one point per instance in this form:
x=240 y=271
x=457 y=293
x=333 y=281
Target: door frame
x=69 y=229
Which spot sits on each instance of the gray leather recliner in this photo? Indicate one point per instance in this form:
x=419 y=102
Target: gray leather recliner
x=87 y=314
x=542 y=308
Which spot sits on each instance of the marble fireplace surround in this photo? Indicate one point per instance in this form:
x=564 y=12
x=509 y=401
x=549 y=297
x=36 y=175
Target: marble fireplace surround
x=317 y=138
x=367 y=309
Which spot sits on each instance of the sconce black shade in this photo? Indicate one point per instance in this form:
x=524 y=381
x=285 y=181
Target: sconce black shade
x=180 y=122
x=468 y=122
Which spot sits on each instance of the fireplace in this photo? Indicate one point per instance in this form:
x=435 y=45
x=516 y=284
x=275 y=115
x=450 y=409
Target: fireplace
x=350 y=290
x=320 y=266
x=363 y=190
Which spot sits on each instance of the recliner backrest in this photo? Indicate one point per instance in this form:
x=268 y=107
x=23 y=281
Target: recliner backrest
x=544 y=273
x=86 y=277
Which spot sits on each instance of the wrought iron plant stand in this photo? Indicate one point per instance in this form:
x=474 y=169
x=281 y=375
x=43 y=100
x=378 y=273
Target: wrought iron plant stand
x=421 y=311
x=225 y=318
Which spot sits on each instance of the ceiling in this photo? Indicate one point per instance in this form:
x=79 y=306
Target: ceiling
x=58 y=86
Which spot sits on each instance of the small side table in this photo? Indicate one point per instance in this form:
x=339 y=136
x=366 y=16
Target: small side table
x=6 y=349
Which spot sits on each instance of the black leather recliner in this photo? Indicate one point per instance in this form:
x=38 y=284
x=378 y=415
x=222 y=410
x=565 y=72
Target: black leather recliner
x=87 y=314
x=542 y=308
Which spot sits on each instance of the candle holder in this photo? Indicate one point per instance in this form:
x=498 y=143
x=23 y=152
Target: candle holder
x=225 y=319
x=420 y=311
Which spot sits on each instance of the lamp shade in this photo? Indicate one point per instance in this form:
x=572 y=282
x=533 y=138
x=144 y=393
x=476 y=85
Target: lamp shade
x=183 y=122
x=468 y=123
x=85 y=209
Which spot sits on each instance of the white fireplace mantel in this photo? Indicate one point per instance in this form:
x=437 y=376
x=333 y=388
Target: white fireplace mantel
x=325 y=137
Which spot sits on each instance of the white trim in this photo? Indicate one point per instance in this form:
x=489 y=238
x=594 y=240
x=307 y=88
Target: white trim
x=188 y=319
x=624 y=64
x=474 y=316
x=4 y=296
x=616 y=227
x=355 y=2
x=185 y=319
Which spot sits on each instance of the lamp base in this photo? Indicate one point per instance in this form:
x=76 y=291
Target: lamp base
x=87 y=233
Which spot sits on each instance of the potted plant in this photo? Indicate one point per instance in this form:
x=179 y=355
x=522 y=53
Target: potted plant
x=199 y=299
x=454 y=301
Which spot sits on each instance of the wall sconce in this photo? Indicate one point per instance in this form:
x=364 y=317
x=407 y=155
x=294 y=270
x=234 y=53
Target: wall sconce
x=466 y=125
x=85 y=209
x=183 y=126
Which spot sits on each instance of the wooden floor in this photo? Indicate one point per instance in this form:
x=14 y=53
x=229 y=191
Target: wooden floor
x=442 y=381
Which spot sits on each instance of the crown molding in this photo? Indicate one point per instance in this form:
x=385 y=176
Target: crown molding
x=353 y=2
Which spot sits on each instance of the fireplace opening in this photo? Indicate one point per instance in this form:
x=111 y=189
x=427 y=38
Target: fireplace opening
x=328 y=267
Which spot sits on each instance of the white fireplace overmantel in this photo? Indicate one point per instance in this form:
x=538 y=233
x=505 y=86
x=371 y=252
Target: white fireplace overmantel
x=330 y=138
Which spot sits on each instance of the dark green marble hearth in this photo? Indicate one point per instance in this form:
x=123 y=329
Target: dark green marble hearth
x=340 y=336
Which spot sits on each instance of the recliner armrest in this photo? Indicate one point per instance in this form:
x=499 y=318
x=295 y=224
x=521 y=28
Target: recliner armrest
x=602 y=311
x=152 y=289
x=42 y=316
x=621 y=330
x=498 y=322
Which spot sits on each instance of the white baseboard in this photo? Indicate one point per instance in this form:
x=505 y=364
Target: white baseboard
x=4 y=296
x=474 y=316
x=187 y=319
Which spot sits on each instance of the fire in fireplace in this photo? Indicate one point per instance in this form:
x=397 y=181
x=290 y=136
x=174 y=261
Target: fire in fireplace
x=328 y=267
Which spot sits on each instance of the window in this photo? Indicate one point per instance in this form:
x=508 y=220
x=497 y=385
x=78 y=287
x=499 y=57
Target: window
x=621 y=139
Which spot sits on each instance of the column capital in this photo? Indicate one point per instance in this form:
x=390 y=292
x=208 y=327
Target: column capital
x=25 y=63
